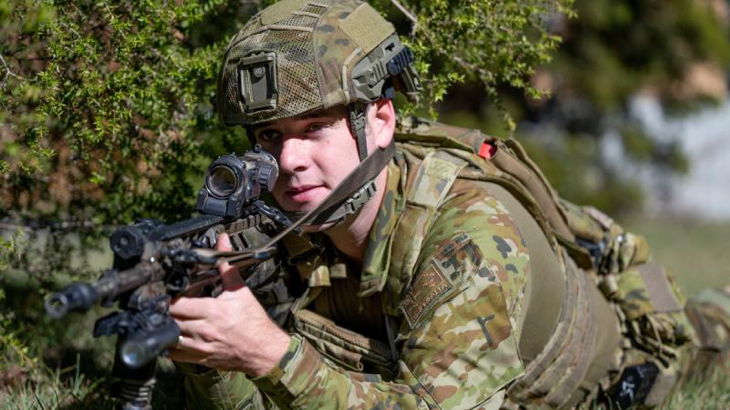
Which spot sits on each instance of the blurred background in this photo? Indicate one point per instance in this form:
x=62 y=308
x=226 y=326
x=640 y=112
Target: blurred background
x=107 y=115
x=637 y=123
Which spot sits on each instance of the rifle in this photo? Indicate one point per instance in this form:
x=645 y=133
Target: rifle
x=154 y=262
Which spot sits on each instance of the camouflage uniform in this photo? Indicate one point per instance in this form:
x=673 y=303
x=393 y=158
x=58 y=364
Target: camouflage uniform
x=452 y=329
x=480 y=288
x=450 y=334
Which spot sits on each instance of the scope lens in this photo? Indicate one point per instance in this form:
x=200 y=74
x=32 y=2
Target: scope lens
x=221 y=181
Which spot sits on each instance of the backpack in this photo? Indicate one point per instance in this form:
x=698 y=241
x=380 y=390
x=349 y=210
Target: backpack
x=598 y=255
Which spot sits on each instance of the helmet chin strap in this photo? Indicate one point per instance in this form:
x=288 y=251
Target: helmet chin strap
x=356 y=112
x=330 y=208
x=364 y=188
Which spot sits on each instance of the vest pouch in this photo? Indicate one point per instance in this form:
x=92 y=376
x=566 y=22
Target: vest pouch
x=624 y=250
x=352 y=351
x=645 y=384
x=654 y=308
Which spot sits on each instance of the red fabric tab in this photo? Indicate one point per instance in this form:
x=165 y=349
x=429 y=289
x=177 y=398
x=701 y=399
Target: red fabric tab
x=487 y=150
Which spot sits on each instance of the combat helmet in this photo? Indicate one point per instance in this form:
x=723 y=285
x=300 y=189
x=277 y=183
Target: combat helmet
x=299 y=56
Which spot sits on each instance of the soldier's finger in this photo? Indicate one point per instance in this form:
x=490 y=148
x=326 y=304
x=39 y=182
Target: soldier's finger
x=224 y=244
x=232 y=281
x=185 y=351
x=190 y=331
x=189 y=308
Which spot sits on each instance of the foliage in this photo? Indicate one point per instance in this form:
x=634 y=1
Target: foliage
x=99 y=111
x=486 y=41
x=105 y=112
x=618 y=48
x=675 y=50
x=106 y=116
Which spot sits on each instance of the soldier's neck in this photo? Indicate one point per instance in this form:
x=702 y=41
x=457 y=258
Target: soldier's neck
x=351 y=236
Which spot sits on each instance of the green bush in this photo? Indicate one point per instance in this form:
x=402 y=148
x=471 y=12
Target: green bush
x=106 y=117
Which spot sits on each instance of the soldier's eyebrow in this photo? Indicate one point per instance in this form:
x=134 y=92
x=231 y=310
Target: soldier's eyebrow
x=330 y=113
x=334 y=112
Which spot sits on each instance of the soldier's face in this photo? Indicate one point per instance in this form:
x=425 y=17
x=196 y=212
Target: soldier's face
x=317 y=151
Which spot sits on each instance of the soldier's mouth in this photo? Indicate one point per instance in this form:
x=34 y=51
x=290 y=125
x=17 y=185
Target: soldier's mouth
x=304 y=194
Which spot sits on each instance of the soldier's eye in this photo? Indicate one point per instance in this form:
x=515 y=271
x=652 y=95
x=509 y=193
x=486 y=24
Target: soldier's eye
x=268 y=135
x=314 y=127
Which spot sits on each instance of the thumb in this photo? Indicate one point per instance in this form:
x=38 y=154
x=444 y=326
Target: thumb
x=232 y=281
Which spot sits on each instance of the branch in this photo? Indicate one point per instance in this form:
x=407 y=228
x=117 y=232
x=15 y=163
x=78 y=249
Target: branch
x=7 y=72
x=408 y=14
x=481 y=71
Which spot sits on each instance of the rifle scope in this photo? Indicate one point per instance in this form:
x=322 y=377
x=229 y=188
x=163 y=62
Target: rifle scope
x=231 y=182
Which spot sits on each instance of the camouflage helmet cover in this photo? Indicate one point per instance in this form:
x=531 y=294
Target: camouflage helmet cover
x=298 y=56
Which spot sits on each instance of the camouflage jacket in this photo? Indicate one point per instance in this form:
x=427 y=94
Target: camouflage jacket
x=458 y=278
x=445 y=335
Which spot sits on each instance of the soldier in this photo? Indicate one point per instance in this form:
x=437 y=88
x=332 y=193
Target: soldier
x=446 y=274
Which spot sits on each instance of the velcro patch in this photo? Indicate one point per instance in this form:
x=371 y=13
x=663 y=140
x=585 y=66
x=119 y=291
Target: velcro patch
x=366 y=27
x=280 y=10
x=444 y=276
x=659 y=289
x=428 y=287
x=459 y=256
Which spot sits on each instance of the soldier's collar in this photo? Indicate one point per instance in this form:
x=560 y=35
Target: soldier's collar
x=377 y=255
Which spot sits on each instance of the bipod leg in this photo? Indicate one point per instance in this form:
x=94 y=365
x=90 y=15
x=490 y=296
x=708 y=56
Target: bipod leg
x=134 y=387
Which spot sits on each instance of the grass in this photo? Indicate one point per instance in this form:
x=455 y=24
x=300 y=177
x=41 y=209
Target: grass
x=712 y=393
x=696 y=252
x=49 y=364
x=65 y=388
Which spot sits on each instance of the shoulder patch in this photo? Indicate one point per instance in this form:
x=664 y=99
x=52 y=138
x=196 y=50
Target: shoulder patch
x=429 y=286
x=444 y=275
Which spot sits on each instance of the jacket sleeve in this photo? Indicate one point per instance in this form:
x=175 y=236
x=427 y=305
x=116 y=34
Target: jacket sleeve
x=456 y=345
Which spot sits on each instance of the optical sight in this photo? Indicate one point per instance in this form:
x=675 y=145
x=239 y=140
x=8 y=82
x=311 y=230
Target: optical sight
x=232 y=182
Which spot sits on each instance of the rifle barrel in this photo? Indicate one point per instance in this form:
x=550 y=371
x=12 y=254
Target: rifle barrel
x=82 y=296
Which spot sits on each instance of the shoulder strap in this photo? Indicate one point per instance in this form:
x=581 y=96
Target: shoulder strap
x=511 y=158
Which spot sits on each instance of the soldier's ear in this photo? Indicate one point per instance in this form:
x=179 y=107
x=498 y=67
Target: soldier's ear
x=381 y=116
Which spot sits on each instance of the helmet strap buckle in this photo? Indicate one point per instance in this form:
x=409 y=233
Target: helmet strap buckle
x=357 y=127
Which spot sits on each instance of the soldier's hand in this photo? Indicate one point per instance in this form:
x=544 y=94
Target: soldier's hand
x=230 y=332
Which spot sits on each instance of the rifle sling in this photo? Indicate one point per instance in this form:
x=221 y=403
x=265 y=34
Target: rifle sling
x=366 y=171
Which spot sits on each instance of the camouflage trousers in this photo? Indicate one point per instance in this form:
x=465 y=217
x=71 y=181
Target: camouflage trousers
x=709 y=314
